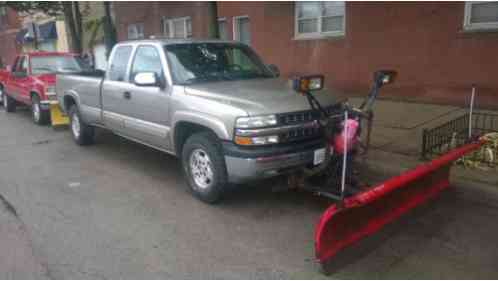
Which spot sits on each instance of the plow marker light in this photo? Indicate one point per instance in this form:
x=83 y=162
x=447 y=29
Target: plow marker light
x=367 y=212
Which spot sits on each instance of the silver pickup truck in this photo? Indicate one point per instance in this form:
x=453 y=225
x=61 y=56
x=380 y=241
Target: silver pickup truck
x=214 y=104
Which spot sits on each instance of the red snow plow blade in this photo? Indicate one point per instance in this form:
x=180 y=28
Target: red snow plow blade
x=367 y=212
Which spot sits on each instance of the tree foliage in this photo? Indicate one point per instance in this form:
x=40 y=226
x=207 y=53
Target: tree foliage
x=51 y=8
x=72 y=16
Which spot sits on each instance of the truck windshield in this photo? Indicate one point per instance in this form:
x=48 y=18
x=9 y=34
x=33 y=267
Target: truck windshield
x=208 y=62
x=54 y=64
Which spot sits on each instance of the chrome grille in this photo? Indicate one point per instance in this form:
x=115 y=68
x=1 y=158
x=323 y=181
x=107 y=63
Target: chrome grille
x=299 y=134
x=297 y=117
x=306 y=116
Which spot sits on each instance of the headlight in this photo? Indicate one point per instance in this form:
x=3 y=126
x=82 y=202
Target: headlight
x=256 y=121
x=263 y=140
x=50 y=93
x=50 y=90
x=248 y=130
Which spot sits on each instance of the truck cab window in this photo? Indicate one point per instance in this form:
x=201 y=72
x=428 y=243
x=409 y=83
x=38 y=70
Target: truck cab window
x=146 y=59
x=117 y=70
x=15 y=66
x=24 y=65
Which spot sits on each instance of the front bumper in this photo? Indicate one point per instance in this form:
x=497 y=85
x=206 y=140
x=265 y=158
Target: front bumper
x=249 y=164
x=45 y=104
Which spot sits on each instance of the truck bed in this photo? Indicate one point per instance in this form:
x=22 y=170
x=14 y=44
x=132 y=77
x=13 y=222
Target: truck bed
x=85 y=85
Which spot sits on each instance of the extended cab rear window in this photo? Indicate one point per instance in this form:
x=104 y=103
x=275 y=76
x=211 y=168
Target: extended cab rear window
x=119 y=63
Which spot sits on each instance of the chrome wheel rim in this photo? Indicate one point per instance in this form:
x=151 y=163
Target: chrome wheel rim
x=75 y=125
x=201 y=168
x=36 y=111
x=1 y=97
x=4 y=101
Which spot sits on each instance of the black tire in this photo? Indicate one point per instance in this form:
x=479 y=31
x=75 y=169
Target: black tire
x=207 y=143
x=9 y=103
x=3 y=96
x=40 y=116
x=83 y=134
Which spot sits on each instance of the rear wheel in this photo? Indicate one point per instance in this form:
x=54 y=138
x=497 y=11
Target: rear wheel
x=9 y=103
x=40 y=116
x=204 y=167
x=83 y=134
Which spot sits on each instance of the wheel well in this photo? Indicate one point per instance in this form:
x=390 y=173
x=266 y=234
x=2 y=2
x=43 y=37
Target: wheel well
x=68 y=102
x=31 y=94
x=183 y=130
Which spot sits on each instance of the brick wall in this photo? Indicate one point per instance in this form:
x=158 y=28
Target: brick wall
x=150 y=14
x=9 y=26
x=424 y=42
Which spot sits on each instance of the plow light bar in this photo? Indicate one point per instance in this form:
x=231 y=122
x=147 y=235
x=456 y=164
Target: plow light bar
x=308 y=83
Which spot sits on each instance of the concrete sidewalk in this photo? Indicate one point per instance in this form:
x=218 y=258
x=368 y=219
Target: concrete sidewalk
x=398 y=125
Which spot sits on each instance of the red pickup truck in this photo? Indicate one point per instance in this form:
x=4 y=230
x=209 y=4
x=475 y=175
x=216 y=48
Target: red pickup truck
x=31 y=81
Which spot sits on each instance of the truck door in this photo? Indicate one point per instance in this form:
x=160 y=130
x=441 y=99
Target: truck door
x=23 y=81
x=114 y=87
x=18 y=79
x=148 y=106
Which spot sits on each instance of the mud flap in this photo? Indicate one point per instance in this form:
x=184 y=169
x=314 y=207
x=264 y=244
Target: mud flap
x=367 y=212
x=57 y=117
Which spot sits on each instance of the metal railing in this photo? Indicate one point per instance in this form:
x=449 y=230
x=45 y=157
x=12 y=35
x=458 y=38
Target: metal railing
x=455 y=133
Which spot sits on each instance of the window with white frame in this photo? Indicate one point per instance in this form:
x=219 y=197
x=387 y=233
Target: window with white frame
x=242 y=29
x=481 y=15
x=177 y=28
x=319 y=19
x=136 y=31
x=222 y=28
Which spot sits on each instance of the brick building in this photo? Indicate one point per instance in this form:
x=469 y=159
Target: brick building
x=438 y=48
x=9 y=27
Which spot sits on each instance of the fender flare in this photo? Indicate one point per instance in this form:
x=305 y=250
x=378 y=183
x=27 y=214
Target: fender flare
x=202 y=119
x=72 y=94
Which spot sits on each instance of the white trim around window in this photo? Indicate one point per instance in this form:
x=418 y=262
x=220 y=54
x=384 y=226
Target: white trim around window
x=317 y=20
x=470 y=24
x=235 y=29
x=222 y=22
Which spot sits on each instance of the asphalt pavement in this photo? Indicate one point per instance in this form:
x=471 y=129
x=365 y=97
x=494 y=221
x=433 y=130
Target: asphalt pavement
x=121 y=210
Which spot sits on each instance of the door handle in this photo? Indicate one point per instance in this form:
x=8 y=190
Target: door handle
x=127 y=95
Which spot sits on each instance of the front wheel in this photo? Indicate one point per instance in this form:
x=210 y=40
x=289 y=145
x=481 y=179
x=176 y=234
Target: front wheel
x=9 y=103
x=40 y=116
x=83 y=134
x=204 y=167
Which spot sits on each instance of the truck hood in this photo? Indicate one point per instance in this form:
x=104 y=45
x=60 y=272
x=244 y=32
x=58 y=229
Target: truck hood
x=46 y=79
x=258 y=96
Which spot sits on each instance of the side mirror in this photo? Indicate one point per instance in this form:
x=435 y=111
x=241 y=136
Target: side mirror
x=274 y=69
x=382 y=77
x=146 y=79
x=8 y=68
